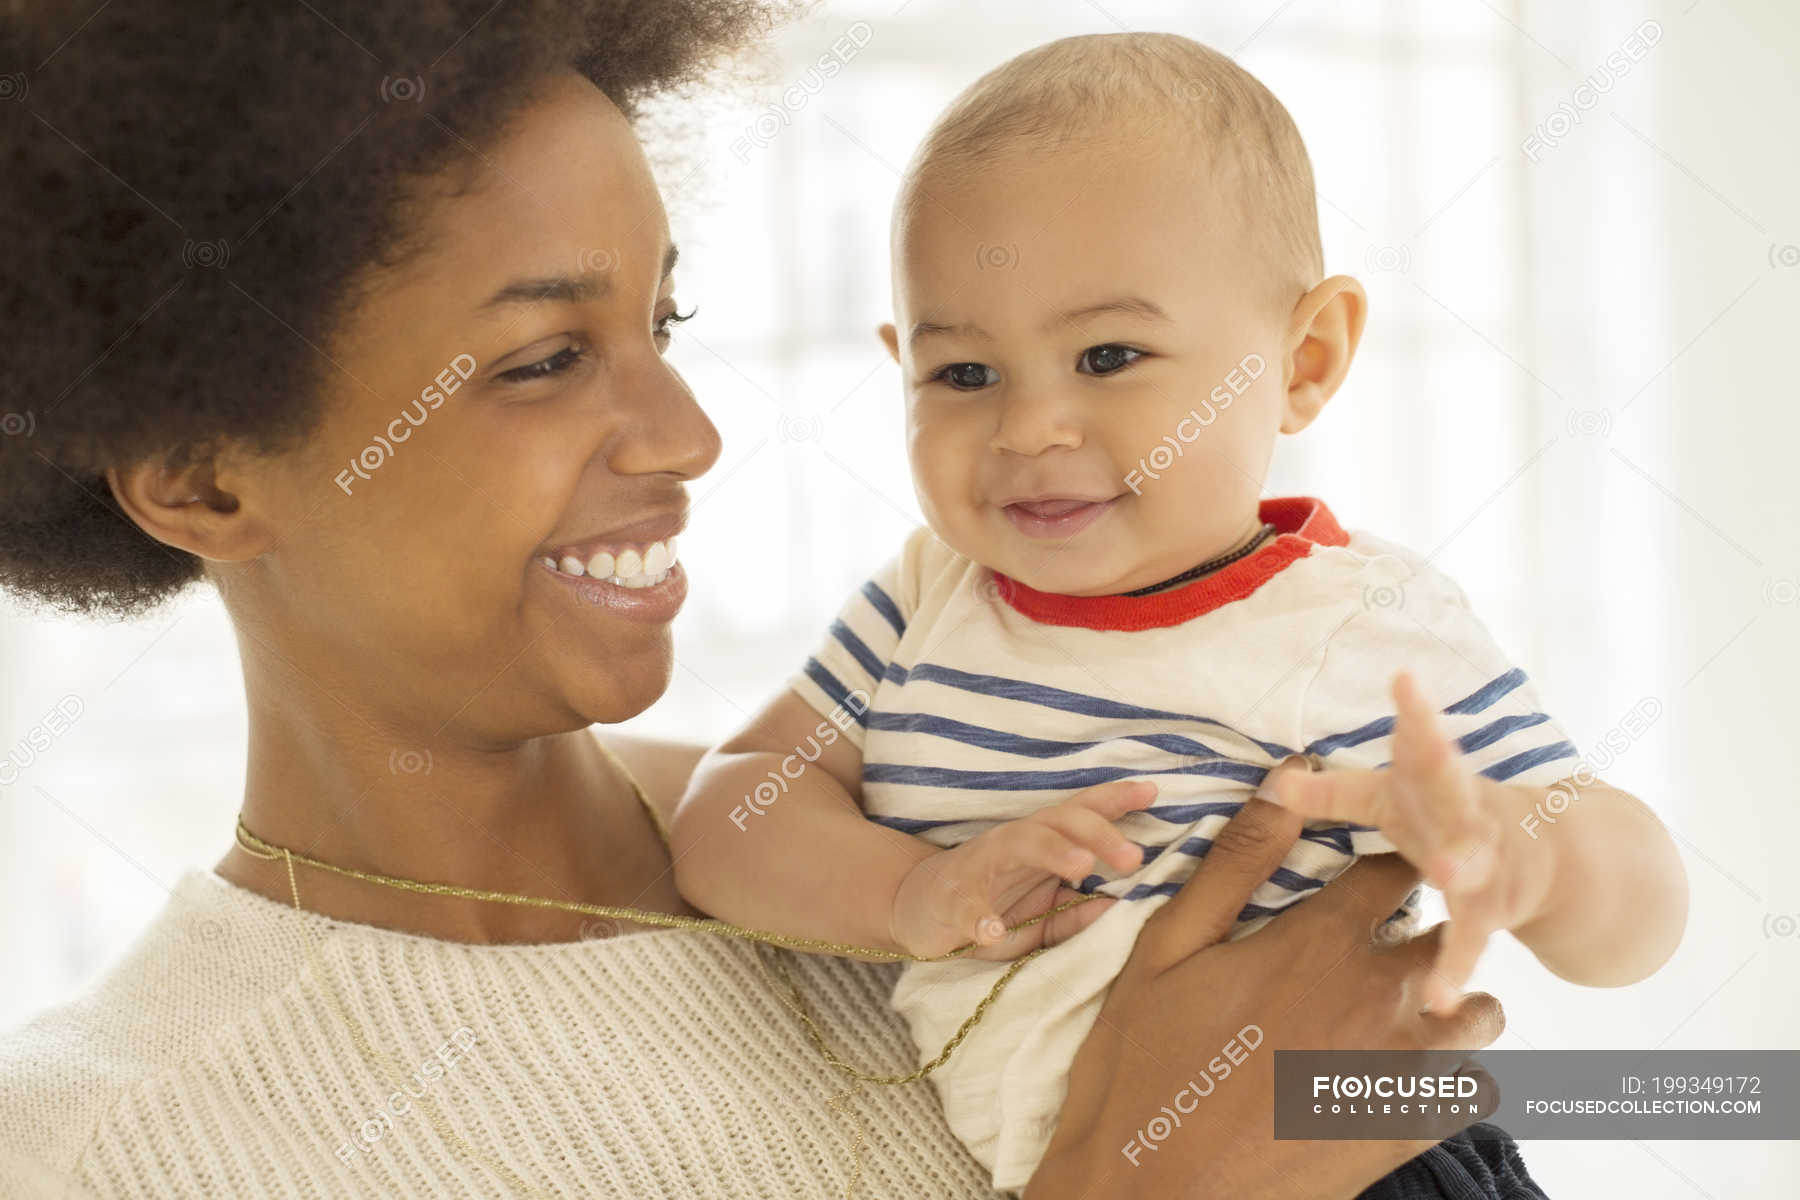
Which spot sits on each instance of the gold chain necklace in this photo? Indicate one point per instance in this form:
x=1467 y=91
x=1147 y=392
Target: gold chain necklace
x=761 y=939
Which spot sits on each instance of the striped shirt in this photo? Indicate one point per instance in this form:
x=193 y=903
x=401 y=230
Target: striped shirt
x=977 y=700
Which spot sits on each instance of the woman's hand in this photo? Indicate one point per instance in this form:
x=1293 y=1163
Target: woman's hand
x=1312 y=979
x=973 y=893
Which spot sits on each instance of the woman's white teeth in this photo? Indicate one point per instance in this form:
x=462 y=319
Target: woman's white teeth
x=628 y=568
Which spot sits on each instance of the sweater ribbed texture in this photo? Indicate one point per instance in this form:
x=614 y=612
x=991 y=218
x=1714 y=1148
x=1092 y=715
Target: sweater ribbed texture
x=213 y=1061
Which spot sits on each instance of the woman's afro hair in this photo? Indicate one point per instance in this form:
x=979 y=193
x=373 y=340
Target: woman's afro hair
x=190 y=191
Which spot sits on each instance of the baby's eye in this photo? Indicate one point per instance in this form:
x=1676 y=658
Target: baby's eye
x=968 y=376
x=1104 y=360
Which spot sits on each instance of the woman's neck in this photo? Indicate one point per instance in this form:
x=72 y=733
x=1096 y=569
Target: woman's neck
x=551 y=816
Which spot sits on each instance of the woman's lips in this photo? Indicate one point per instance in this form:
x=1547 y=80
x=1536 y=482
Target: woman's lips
x=1055 y=517
x=653 y=605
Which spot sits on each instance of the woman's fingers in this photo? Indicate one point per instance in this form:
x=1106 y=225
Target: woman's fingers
x=1352 y=794
x=1478 y=1021
x=1464 y=939
x=1360 y=899
x=1244 y=854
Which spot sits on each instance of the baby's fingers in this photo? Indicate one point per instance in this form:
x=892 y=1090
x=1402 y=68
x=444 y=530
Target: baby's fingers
x=1113 y=800
x=1095 y=833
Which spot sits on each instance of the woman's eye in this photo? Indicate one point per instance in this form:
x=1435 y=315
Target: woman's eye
x=968 y=376
x=663 y=331
x=544 y=368
x=1104 y=360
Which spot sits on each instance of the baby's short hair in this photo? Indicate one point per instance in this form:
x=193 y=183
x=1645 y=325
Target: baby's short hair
x=1077 y=85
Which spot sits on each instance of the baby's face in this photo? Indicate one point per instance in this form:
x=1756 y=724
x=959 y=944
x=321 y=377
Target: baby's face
x=1060 y=316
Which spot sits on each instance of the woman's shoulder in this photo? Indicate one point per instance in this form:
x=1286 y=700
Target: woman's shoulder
x=220 y=1044
x=61 y=1072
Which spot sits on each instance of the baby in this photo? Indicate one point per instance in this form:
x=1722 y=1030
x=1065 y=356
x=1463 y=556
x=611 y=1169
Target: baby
x=1109 y=300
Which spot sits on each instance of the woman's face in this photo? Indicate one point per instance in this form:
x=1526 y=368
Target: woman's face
x=415 y=571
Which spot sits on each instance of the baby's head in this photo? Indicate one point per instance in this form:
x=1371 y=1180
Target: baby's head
x=1105 y=246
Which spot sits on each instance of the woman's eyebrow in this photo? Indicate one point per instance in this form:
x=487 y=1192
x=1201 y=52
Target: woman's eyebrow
x=567 y=289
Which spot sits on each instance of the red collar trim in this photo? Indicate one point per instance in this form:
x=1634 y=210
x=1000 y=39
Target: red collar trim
x=1301 y=522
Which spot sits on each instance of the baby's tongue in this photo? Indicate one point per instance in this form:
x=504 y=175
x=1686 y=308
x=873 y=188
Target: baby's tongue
x=1051 y=509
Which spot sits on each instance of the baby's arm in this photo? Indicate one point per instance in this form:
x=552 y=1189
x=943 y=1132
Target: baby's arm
x=798 y=856
x=1600 y=896
x=805 y=861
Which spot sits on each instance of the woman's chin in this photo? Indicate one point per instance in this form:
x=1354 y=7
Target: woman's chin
x=628 y=681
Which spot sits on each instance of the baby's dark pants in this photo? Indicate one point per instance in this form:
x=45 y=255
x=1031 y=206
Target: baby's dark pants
x=1480 y=1163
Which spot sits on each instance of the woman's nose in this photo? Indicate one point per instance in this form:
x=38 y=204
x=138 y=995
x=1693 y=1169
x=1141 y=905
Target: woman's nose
x=1033 y=420
x=668 y=433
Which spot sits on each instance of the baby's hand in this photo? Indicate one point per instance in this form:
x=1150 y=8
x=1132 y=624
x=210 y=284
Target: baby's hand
x=971 y=893
x=1452 y=825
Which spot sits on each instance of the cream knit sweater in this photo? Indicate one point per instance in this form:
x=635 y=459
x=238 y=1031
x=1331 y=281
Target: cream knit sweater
x=214 y=1062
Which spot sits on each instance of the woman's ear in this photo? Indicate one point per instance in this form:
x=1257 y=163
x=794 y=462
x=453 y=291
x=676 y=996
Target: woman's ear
x=194 y=507
x=891 y=339
x=1323 y=332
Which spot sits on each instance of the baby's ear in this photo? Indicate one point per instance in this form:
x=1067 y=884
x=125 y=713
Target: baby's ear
x=1322 y=338
x=891 y=339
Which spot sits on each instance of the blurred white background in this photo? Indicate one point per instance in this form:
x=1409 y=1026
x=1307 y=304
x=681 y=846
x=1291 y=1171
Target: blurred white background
x=1577 y=225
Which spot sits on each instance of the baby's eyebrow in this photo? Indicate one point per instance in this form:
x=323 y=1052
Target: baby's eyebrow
x=1135 y=306
x=1131 y=306
x=925 y=329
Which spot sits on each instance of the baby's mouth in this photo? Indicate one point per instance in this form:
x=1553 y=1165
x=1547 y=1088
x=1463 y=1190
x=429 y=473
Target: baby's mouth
x=1055 y=516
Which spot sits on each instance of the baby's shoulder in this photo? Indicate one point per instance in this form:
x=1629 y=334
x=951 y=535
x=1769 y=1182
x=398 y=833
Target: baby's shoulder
x=1369 y=561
